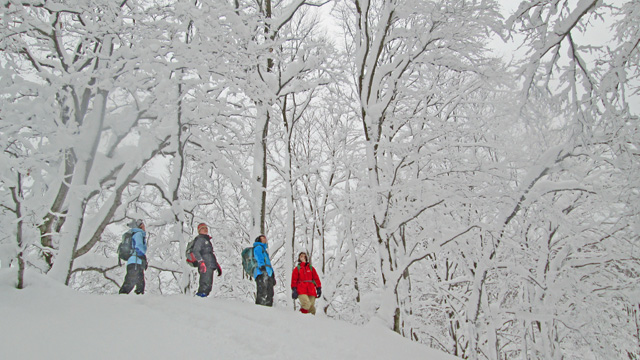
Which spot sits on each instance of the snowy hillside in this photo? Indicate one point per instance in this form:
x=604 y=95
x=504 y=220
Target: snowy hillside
x=50 y=321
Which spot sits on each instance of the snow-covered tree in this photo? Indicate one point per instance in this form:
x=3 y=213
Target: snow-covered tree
x=414 y=64
x=575 y=206
x=488 y=209
x=83 y=86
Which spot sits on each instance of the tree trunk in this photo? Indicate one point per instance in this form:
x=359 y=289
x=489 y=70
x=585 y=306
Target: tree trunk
x=52 y=222
x=92 y=129
x=259 y=185
x=16 y=194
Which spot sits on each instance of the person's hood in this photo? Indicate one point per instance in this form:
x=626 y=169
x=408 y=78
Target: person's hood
x=260 y=244
x=138 y=230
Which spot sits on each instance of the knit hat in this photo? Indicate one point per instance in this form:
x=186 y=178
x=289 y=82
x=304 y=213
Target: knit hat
x=201 y=225
x=136 y=223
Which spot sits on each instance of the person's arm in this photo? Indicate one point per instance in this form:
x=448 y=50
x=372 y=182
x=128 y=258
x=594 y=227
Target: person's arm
x=258 y=254
x=316 y=278
x=215 y=261
x=294 y=278
x=138 y=243
x=197 y=249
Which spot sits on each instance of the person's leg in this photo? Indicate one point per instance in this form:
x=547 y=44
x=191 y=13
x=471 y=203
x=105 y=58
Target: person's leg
x=261 y=289
x=305 y=303
x=312 y=305
x=129 y=280
x=206 y=283
x=139 y=279
x=270 y=293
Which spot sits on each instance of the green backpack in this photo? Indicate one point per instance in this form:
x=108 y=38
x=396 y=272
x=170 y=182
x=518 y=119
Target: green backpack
x=125 y=249
x=191 y=258
x=249 y=262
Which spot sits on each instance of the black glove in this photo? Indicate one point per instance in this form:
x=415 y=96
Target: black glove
x=318 y=292
x=219 y=270
x=294 y=293
x=263 y=269
x=273 y=278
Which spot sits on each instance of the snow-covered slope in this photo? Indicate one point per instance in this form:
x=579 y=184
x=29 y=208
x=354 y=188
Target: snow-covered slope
x=49 y=321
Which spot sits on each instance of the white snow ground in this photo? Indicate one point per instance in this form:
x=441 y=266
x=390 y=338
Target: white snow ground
x=47 y=320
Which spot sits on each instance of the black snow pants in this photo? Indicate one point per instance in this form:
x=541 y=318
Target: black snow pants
x=134 y=278
x=264 y=284
x=206 y=281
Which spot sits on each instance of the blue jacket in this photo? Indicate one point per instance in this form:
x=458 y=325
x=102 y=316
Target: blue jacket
x=262 y=257
x=140 y=244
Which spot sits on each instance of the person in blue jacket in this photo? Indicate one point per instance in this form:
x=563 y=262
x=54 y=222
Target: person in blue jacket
x=137 y=263
x=263 y=274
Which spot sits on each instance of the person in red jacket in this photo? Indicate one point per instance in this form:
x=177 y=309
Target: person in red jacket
x=305 y=284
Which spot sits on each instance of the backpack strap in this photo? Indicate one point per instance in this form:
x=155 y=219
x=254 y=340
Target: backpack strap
x=309 y=281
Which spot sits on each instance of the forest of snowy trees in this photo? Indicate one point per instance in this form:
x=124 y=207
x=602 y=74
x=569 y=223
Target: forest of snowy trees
x=467 y=175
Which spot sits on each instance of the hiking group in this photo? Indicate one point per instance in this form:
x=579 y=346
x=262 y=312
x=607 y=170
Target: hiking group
x=305 y=282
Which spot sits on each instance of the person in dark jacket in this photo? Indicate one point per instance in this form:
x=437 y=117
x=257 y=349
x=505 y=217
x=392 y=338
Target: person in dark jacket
x=207 y=262
x=305 y=284
x=263 y=274
x=137 y=263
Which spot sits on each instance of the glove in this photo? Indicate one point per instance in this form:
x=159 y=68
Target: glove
x=145 y=263
x=273 y=278
x=294 y=293
x=219 y=270
x=202 y=268
x=318 y=292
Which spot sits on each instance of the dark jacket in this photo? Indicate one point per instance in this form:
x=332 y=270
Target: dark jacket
x=203 y=251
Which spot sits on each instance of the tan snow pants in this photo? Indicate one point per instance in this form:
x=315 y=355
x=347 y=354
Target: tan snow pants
x=307 y=304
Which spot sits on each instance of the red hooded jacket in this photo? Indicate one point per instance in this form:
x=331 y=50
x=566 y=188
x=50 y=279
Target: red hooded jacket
x=305 y=279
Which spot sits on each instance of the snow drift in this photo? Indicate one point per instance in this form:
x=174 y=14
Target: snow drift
x=49 y=320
